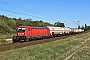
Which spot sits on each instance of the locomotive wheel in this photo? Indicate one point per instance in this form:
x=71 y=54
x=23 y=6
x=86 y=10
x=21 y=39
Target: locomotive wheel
x=14 y=41
x=27 y=40
x=34 y=38
x=20 y=41
x=43 y=37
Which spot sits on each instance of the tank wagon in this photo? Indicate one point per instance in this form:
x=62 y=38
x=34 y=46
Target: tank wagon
x=81 y=30
x=59 y=30
x=75 y=30
x=55 y=30
x=67 y=31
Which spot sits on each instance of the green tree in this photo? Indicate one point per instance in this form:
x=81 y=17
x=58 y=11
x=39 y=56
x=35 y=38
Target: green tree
x=9 y=25
x=19 y=22
x=79 y=27
x=86 y=27
x=59 y=24
x=82 y=27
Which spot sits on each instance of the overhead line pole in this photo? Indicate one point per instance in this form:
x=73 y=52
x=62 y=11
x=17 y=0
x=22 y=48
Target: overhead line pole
x=77 y=23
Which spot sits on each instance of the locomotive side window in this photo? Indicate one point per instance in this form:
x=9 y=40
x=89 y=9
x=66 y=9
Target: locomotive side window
x=28 y=29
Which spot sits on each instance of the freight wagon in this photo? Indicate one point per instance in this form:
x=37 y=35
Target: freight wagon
x=55 y=30
x=27 y=33
x=59 y=30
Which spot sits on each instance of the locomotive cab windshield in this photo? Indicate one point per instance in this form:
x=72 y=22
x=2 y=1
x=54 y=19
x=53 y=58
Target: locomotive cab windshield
x=21 y=29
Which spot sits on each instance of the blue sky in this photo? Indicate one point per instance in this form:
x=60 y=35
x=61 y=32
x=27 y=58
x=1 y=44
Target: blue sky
x=67 y=11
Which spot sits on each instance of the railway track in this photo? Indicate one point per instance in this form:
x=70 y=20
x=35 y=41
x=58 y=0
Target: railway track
x=23 y=44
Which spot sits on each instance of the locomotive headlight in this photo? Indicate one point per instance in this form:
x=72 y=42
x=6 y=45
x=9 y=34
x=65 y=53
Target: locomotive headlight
x=22 y=33
x=18 y=33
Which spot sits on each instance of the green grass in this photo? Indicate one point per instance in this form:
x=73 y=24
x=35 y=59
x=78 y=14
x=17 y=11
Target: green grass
x=83 y=54
x=6 y=35
x=3 y=42
x=56 y=50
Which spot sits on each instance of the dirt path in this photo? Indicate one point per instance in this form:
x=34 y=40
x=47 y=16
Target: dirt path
x=71 y=55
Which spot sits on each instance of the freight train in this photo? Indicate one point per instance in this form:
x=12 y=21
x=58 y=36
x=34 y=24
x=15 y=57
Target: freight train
x=27 y=33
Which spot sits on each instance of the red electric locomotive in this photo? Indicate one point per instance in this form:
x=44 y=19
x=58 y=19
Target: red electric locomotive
x=26 y=33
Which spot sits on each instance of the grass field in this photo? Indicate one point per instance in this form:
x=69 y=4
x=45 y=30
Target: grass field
x=56 y=50
x=3 y=42
x=6 y=35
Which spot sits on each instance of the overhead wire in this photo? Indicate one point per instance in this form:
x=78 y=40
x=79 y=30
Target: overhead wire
x=21 y=13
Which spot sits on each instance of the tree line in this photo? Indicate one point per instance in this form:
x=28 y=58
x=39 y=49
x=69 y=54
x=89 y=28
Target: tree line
x=85 y=27
x=9 y=25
